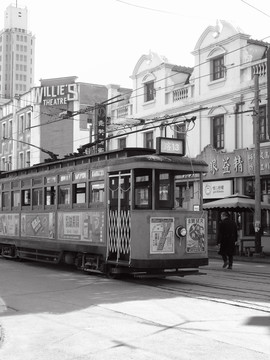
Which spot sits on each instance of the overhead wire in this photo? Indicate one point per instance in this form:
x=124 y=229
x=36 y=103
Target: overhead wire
x=124 y=127
x=143 y=129
x=131 y=97
x=171 y=75
x=134 y=90
x=147 y=8
x=185 y=15
x=162 y=79
x=254 y=7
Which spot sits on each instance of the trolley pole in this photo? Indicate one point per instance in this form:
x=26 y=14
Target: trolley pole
x=257 y=215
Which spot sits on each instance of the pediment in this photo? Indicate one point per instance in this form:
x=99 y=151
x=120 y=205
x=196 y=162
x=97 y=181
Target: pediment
x=148 y=62
x=213 y=34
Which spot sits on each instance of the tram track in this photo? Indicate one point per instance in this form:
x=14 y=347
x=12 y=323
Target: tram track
x=249 y=289
x=255 y=296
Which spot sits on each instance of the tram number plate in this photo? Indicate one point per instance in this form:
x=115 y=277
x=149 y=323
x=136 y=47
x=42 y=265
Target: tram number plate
x=170 y=146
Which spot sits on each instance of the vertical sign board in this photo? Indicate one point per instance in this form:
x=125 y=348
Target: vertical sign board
x=100 y=128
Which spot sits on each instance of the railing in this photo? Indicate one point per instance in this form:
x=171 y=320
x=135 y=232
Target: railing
x=124 y=110
x=260 y=68
x=180 y=94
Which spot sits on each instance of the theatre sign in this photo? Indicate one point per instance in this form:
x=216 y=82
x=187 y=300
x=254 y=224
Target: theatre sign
x=55 y=94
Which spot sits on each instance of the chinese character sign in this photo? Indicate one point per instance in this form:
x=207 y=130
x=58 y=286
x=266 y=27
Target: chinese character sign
x=100 y=128
x=213 y=166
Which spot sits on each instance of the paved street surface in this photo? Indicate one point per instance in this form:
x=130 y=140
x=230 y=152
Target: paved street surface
x=51 y=313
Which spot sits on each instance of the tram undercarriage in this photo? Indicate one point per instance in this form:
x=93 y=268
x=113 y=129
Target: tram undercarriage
x=95 y=263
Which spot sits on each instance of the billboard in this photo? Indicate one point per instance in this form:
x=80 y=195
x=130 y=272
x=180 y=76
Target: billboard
x=55 y=94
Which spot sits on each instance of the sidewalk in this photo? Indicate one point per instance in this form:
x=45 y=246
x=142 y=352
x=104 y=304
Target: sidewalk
x=260 y=258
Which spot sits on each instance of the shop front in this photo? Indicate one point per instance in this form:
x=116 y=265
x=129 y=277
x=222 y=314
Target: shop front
x=231 y=173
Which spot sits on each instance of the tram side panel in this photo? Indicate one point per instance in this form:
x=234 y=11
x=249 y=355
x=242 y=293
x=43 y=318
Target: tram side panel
x=9 y=233
x=46 y=236
x=154 y=240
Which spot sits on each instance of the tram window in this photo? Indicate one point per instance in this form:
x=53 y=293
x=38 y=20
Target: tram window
x=164 y=193
x=15 y=198
x=142 y=198
x=183 y=192
x=26 y=197
x=64 y=194
x=50 y=195
x=97 y=192
x=5 y=199
x=143 y=189
x=79 y=193
x=37 y=196
x=164 y=187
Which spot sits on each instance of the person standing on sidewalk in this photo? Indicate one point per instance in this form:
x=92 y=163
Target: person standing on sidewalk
x=227 y=237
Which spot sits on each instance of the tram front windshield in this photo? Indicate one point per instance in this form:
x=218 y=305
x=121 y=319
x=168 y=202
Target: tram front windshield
x=158 y=189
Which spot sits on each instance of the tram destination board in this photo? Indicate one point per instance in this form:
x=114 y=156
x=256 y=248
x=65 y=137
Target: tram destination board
x=170 y=146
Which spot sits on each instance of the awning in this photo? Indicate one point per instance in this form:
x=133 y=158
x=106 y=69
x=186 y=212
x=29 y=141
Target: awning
x=235 y=202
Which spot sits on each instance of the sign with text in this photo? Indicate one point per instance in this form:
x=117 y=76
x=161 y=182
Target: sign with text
x=217 y=189
x=170 y=146
x=100 y=128
x=55 y=94
x=82 y=226
x=239 y=163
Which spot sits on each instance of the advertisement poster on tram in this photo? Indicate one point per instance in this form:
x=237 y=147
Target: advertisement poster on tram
x=161 y=235
x=9 y=224
x=38 y=225
x=86 y=226
x=195 y=235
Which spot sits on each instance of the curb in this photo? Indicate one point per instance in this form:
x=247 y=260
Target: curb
x=252 y=259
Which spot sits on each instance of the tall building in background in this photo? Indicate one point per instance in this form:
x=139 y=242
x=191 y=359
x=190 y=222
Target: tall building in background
x=17 y=54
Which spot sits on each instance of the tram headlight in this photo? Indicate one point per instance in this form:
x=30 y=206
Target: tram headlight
x=180 y=231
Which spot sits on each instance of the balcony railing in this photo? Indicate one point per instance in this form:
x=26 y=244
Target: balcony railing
x=124 y=111
x=180 y=94
x=260 y=68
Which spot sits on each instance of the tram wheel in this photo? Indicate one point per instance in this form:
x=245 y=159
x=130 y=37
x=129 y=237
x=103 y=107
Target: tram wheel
x=110 y=273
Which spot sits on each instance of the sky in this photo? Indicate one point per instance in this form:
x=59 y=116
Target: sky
x=100 y=41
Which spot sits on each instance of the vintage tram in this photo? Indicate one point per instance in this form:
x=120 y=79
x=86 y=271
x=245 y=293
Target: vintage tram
x=112 y=213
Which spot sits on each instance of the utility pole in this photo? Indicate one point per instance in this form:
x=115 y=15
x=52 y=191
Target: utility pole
x=257 y=215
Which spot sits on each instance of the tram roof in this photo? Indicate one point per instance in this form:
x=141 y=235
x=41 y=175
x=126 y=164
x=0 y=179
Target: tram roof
x=157 y=161
x=120 y=159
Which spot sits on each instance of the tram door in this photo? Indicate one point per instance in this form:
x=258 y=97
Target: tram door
x=119 y=217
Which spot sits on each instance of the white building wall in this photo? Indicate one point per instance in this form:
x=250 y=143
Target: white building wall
x=15 y=17
x=234 y=93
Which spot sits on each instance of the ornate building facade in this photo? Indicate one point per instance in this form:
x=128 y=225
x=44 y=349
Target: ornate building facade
x=212 y=104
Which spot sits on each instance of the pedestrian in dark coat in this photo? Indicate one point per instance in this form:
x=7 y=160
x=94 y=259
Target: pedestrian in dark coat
x=227 y=237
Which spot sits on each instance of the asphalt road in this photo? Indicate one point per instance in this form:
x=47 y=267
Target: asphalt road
x=51 y=313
